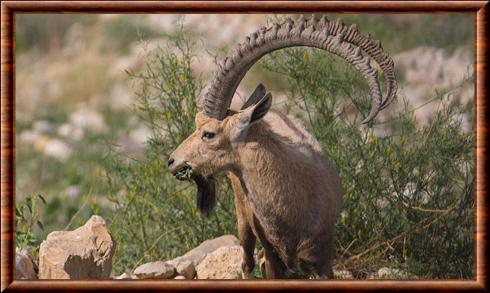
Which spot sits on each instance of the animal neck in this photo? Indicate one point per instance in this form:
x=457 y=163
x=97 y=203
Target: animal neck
x=266 y=165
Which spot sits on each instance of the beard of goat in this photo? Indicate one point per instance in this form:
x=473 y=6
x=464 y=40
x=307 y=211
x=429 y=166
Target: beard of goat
x=287 y=193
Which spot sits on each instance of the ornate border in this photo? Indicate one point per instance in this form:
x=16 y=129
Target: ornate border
x=10 y=8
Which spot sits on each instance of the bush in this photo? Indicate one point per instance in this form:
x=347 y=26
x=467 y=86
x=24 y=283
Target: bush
x=158 y=213
x=27 y=222
x=408 y=193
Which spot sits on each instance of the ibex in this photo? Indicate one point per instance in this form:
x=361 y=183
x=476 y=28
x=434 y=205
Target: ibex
x=287 y=193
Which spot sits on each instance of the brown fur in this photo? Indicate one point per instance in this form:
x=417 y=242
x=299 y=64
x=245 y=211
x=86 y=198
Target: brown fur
x=287 y=193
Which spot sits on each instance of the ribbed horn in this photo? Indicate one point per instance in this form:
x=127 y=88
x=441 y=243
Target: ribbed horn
x=322 y=34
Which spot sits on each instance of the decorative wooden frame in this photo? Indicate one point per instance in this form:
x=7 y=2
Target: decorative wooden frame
x=10 y=8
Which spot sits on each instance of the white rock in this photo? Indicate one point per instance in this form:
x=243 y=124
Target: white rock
x=58 y=149
x=342 y=274
x=155 y=270
x=73 y=192
x=43 y=126
x=70 y=131
x=389 y=273
x=223 y=263
x=28 y=137
x=24 y=266
x=427 y=69
x=140 y=134
x=84 y=253
x=125 y=276
x=179 y=277
x=89 y=119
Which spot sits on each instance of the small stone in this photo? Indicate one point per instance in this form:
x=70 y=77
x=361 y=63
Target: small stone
x=155 y=270
x=124 y=276
x=179 y=277
x=184 y=268
x=24 y=266
x=343 y=275
x=57 y=149
x=223 y=263
x=389 y=273
x=43 y=126
x=70 y=131
x=89 y=119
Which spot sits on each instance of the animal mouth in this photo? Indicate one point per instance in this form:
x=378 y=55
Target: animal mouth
x=184 y=173
x=206 y=187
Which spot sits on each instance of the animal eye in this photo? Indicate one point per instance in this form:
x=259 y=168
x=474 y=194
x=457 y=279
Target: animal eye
x=207 y=135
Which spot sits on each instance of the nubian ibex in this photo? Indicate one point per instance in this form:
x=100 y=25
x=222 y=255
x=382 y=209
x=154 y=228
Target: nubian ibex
x=287 y=193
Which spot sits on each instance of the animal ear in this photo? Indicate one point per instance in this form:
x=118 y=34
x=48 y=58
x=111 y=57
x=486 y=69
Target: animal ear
x=255 y=97
x=249 y=116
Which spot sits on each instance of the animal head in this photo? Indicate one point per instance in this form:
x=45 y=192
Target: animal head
x=214 y=146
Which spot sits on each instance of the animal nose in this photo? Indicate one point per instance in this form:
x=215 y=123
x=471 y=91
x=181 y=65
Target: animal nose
x=170 y=162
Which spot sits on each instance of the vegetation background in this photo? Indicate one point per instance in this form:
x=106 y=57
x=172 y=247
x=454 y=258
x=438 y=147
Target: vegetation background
x=103 y=99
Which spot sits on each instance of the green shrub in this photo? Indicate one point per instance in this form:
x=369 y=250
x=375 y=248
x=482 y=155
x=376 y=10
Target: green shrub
x=156 y=215
x=408 y=193
x=27 y=222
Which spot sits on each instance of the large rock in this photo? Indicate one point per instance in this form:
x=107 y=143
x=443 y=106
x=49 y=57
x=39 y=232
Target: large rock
x=84 y=253
x=155 y=270
x=197 y=254
x=223 y=263
x=25 y=268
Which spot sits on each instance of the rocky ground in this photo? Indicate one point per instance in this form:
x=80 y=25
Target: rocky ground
x=87 y=253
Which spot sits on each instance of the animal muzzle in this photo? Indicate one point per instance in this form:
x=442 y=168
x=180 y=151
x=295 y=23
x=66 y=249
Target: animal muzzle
x=180 y=169
x=206 y=186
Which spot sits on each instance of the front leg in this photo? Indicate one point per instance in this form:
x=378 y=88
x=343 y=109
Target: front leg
x=247 y=241
x=245 y=233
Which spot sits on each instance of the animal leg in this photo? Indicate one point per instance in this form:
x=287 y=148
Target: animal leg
x=316 y=260
x=274 y=268
x=245 y=233
x=247 y=241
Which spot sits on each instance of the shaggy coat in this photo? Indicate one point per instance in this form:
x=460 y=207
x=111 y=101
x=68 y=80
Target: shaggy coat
x=287 y=193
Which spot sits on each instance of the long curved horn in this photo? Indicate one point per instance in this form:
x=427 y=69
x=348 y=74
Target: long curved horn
x=325 y=35
x=371 y=47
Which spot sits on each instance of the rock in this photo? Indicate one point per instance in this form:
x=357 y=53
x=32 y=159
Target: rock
x=155 y=270
x=25 y=268
x=197 y=254
x=70 y=131
x=28 y=137
x=223 y=263
x=184 y=268
x=84 y=253
x=43 y=126
x=342 y=275
x=89 y=119
x=73 y=192
x=179 y=277
x=125 y=276
x=57 y=149
x=389 y=273
x=426 y=69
